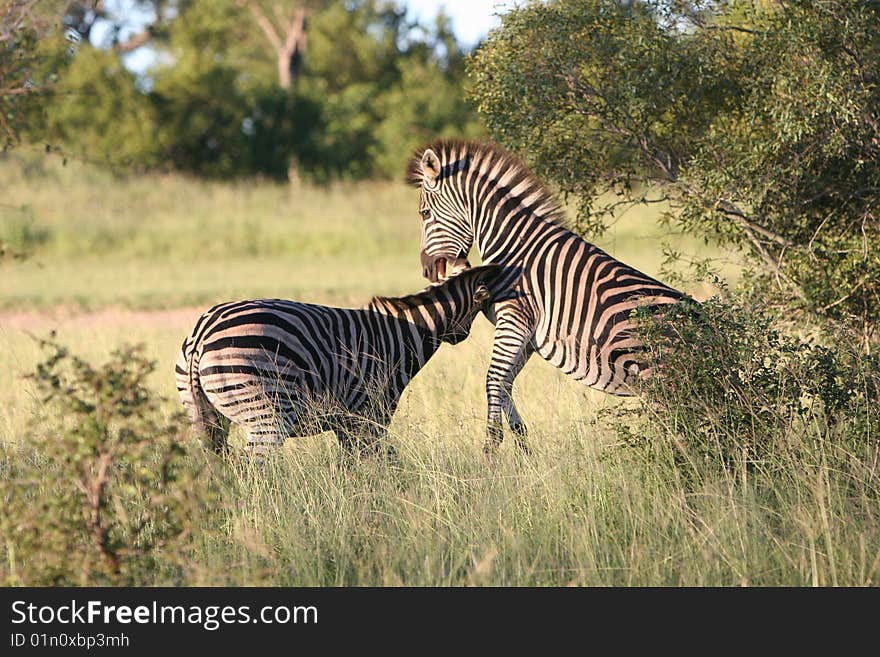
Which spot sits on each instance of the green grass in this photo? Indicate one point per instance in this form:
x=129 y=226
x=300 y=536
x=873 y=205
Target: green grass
x=583 y=510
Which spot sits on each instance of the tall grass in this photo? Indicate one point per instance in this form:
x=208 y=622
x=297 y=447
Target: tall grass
x=584 y=509
x=580 y=511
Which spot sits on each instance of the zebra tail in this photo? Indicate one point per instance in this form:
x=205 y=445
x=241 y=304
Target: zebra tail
x=205 y=419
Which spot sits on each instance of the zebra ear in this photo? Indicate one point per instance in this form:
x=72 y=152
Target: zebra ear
x=481 y=294
x=430 y=167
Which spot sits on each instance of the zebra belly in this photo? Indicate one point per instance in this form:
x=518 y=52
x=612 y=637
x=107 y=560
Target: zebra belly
x=615 y=368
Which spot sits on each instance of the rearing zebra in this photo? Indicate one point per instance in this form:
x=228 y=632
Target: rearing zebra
x=282 y=368
x=572 y=301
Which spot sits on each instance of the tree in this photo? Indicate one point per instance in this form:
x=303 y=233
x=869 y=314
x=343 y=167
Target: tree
x=233 y=91
x=759 y=122
x=98 y=113
x=427 y=102
x=21 y=27
x=381 y=85
x=286 y=35
x=220 y=113
x=123 y=34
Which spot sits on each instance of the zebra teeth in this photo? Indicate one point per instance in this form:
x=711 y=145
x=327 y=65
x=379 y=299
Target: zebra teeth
x=449 y=267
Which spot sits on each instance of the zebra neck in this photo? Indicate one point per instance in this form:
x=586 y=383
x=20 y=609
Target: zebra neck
x=420 y=325
x=506 y=237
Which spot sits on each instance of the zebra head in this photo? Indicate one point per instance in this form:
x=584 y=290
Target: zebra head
x=470 y=291
x=446 y=230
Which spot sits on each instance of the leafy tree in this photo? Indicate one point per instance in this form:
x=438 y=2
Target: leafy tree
x=381 y=85
x=121 y=29
x=103 y=493
x=318 y=89
x=286 y=33
x=22 y=69
x=426 y=102
x=98 y=113
x=756 y=121
x=219 y=113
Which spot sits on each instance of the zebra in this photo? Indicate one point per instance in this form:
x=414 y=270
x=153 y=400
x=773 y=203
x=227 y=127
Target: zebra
x=572 y=302
x=280 y=368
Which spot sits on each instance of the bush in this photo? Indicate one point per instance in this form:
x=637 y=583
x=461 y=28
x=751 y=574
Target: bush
x=103 y=494
x=734 y=391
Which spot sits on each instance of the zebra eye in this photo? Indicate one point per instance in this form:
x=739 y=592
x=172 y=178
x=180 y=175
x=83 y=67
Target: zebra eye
x=425 y=213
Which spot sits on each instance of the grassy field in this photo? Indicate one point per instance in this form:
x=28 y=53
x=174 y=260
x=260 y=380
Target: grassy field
x=115 y=261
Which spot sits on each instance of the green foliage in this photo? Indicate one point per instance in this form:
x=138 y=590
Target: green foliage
x=371 y=87
x=581 y=510
x=755 y=121
x=731 y=390
x=380 y=89
x=98 y=113
x=218 y=115
x=801 y=152
x=425 y=104
x=25 y=70
x=598 y=93
x=103 y=493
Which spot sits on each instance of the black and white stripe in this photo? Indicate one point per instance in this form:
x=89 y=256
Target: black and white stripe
x=571 y=301
x=282 y=368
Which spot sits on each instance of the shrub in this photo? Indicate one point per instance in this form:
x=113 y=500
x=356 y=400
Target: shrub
x=733 y=390
x=103 y=493
x=754 y=121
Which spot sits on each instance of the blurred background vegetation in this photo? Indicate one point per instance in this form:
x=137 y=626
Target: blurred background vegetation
x=313 y=89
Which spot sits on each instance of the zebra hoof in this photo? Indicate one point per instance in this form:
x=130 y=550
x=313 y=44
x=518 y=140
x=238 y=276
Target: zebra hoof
x=490 y=450
x=391 y=457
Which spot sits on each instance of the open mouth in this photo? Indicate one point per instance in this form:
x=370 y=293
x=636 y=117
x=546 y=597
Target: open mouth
x=447 y=267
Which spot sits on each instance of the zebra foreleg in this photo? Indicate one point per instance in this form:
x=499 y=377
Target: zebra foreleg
x=510 y=352
x=519 y=428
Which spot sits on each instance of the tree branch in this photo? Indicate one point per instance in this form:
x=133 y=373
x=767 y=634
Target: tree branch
x=729 y=209
x=264 y=23
x=844 y=297
x=773 y=264
x=296 y=31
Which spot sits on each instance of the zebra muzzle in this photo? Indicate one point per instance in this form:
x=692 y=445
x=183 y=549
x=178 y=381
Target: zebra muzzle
x=439 y=268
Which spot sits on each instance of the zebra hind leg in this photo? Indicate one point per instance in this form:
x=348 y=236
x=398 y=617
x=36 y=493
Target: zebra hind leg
x=211 y=427
x=262 y=443
x=216 y=432
x=363 y=439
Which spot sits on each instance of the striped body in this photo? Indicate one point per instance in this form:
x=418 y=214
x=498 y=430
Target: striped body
x=574 y=305
x=280 y=368
x=572 y=301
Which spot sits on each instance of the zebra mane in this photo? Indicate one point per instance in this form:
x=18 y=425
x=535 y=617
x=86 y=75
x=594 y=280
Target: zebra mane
x=467 y=154
x=429 y=294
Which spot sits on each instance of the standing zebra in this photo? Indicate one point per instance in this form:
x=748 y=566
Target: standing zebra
x=571 y=301
x=282 y=368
